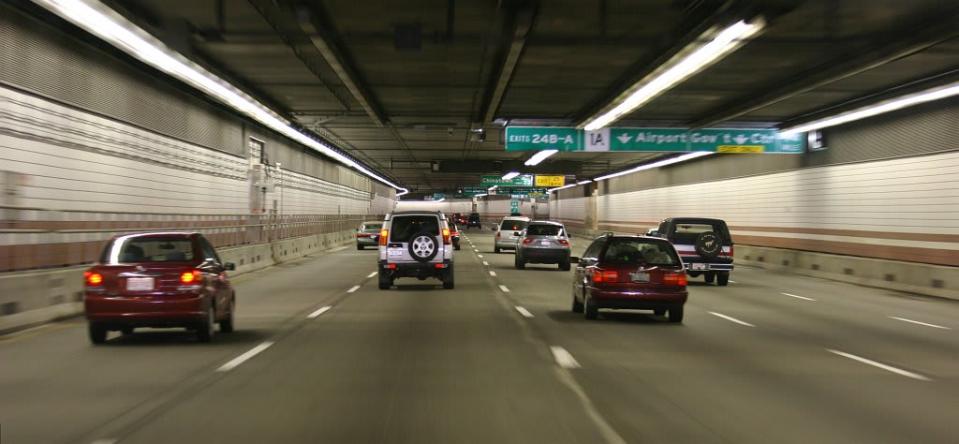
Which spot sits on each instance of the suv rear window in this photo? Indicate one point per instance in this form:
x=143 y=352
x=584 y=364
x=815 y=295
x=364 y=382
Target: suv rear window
x=543 y=230
x=686 y=233
x=640 y=251
x=514 y=225
x=404 y=227
x=148 y=249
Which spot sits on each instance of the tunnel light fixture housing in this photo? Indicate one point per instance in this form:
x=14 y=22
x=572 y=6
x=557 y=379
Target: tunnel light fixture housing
x=105 y=23
x=885 y=106
x=510 y=175
x=539 y=157
x=584 y=182
x=708 y=48
x=657 y=164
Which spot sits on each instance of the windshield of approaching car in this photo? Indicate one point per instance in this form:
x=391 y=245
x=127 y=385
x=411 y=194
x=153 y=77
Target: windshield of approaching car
x=405 y=227
x=544 y=230
x=640 y=251
x=148 y=249
x=514 y=225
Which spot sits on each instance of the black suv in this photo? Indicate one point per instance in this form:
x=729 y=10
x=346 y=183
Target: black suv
x=474 y=221
x=704 y=245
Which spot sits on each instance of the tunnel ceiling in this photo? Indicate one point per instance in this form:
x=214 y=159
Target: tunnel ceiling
x=400 y=85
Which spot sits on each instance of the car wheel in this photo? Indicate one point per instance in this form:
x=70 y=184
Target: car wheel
x=519 y=263
x=456 y=247
x=205 y=331
x=385 y=281
x=722 y=279
x=590 y=311
x=659 y=311
x=564 y=264
x=577 y=305
x=449 y=280
x=98 y=333
x=710 y=277
x=496 y=250
x=676 y=314
x=226 y=325
x=359 y=247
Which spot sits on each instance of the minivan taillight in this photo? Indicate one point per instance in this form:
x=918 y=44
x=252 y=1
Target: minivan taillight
x=675 y=279
x=92 y=279
x=384 y=234
x=446 y=236
x=189 y=277
x=600 y=276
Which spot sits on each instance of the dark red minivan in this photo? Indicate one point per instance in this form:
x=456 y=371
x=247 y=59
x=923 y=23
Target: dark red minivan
x=630 y=272
x=159 y=280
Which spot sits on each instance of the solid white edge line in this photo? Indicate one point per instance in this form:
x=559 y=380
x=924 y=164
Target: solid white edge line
x=943 y=327
x=244 y=357
x=563 y=358
x=885 y=367
x=731 y=319
x=732 y=282
x=523 y=311
x=373 y=274
x=318 y=312
x=798 y=296
x=504 y=288
x=492 y=273
x=353 y=288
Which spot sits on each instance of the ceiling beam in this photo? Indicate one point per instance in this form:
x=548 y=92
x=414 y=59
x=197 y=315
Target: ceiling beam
x=519 y=16
x=902 y=43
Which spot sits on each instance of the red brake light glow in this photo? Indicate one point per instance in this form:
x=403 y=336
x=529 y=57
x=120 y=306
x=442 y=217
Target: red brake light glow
x=189 y=277
x=605 y=276
x=527 y=241
x=676 y=279
x=563 y=242
x=93 y=279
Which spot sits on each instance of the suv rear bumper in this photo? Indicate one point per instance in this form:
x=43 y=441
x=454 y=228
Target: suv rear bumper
x=419 y=270
x=696 y=264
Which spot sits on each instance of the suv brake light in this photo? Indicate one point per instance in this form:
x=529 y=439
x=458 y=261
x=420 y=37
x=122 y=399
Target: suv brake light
x=729 y=253
x=676 y=279
x=600 y=276
x=446 y=236
x=384 y=234
x=92 y=279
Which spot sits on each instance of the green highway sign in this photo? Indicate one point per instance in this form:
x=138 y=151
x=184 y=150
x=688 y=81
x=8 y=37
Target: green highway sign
x=717 y=140
x=518 y=191
x=470 y=191
x=523 y=180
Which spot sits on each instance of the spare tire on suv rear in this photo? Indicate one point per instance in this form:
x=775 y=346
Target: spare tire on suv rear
x=709 y=244
x=423 y=246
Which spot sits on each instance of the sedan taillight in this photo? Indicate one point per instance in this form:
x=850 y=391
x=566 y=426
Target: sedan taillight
x=527 y=241
x=92 y=279
x=189 y=277
x=600 y=276
x=563 y=242
x=675 y=279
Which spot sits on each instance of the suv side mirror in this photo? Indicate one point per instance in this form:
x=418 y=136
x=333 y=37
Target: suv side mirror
x=229 y=266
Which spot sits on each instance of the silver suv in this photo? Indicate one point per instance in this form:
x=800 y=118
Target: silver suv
x=543 y=242
x=508 y=232
x=415 y=244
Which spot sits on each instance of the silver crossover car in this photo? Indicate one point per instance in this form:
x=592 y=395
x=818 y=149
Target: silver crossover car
x=543 y=242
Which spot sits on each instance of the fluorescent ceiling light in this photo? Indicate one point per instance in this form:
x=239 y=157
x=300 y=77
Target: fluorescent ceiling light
x=403 y=193
x=661 y=163
x=481 y=195
x=540 y=156
x=583 y=182
x=105 y=23
x=884 y=106
x=510 y=175
x=692 y=59
x=561 y=188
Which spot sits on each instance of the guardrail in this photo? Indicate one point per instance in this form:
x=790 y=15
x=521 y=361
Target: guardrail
x=35 y=238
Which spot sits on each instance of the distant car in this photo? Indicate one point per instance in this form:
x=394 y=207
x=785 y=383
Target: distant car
x=459 y=219
x=157 y=280
x=630 y=272
x=508 y=232
x=474 y=221
x=543 y=242
x=455 y=235
x=415 y=244
x=368 y=234
x=704 y=244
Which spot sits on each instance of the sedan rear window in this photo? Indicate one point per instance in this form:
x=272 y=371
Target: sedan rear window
x=640 y=251
x=372 y=228
x=544 y=230
x=514 y=225
x=148 y=249
x=405 y=227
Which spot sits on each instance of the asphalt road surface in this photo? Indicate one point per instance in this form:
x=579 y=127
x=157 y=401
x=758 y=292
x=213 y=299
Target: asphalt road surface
x=322 y=355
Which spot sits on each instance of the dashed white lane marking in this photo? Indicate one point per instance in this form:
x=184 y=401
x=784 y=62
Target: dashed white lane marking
x=318 y=312
x=104 y=441
x=798 y=296
x=731 y=319
x=373 y=274
x=943 y=327
x=353 y=288
x=493 y=273
x=563 y=358
x=524 y=312
x=885 y=367
x=486 y=263
x=732 y=282
x=479 y=256
x=503 y=287
x=244 y=357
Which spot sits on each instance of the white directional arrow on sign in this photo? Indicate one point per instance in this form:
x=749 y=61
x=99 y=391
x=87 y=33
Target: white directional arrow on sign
x=741 y=139
x=624 y=138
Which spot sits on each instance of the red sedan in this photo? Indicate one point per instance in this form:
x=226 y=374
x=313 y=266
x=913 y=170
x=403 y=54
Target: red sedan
x=630 y=272
x=159 y=280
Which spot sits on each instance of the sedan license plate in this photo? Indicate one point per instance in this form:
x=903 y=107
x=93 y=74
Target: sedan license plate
x=140 y=284
x=544 y=243
x=639 y=276
x=696 y=266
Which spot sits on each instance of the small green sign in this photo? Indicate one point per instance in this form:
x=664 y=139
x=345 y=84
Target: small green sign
x=717 y=140
x=523 y=180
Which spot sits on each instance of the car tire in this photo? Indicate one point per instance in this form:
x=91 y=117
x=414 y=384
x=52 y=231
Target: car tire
x=676 y=314
x=97 y=332
x=577 y=305
x=126 y=331
x=449 y=281
x=205 y=330
x=590 y=311
x=564 y=264
x=359 y=247
x=226 y=325
x=659 y=311
x=709 y=277
x=456 y=247
x=385 y=281
x=722 y=279
x=496 y=250
x=519 y=263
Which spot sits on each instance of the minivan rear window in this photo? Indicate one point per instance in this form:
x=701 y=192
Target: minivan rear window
x=148 y=249
x=543 y=230
x=514 y=225
x=640 y=252
x=405 y=227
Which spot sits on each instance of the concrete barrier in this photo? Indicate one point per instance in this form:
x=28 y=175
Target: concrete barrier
x=31 y=298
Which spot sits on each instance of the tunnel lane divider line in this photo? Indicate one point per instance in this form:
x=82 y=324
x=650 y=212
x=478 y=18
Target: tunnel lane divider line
x=353 y=289
x=942 y=327
x=317 y=313
x=798 y=297
x=372 y=275
x=523 y=311
x=885 y=367
x=492 y=273
x=503 y=288
x=732 y=281
x=479 y=256
x=232 y=364
x=563 y=358
x=731 y=319
x=486 y=263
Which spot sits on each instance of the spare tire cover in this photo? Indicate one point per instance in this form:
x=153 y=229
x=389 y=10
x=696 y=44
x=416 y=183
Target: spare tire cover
x=708 y=244
x=423 y=246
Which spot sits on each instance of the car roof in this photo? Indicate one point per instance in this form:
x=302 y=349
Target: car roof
x=694 y=219
x=183 y=234
x=516 y=218
x=546 y=222
x=416 y=213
